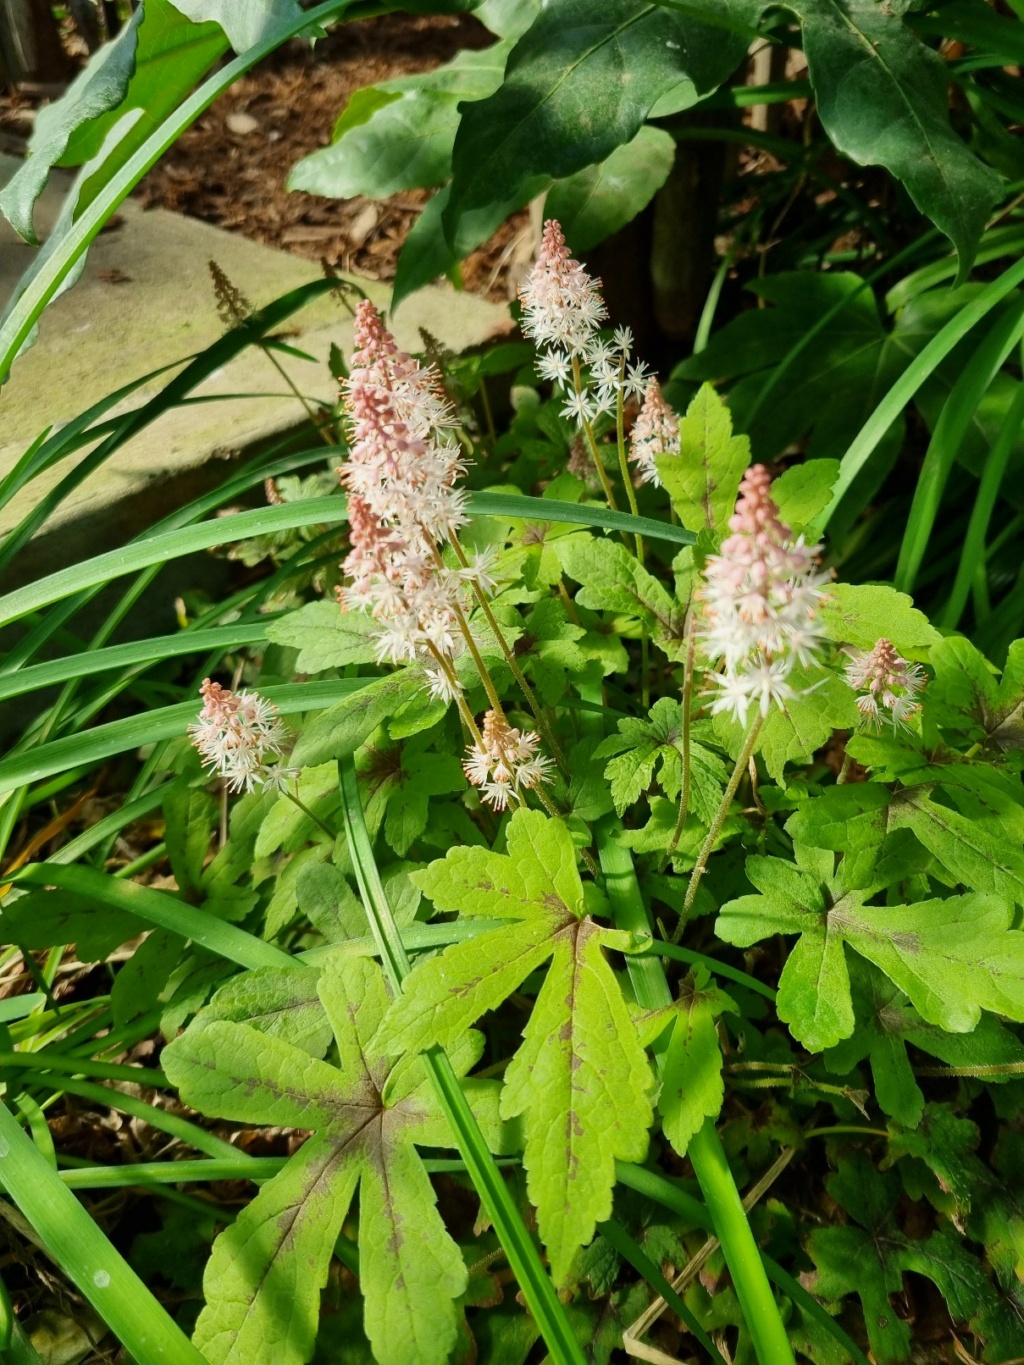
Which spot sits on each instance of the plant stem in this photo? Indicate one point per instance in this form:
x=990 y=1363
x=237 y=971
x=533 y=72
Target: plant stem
x=707 y=848
x=684 y=795
x=627 y=481
x=767 y=1331
x=647 y=976
x=296 y=801
x=588 y=431
x=510 y=658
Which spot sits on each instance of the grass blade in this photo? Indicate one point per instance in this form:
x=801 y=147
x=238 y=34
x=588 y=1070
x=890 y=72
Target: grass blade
x=137 y=652
x=167 y=722
x=84 y=1254
x=159 y=908
x=519 y=1248
x=972 y=555
x=156 y=549
x=617 y=1236
x=911 y=380
x=957 y=412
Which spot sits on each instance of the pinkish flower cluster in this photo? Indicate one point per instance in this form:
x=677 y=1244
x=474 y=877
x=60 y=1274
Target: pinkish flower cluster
x=235 y=733
x=655 y=432
x=890 y=684
x=760 y=604
x=562 y=312
x=505 y=764
x=403 y=476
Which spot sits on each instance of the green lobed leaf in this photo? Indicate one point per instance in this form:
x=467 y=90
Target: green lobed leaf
x=964 y=694
x=804 y=490
x=704 y=478
x=952 y=958
x=613 y=579
x=326 y=637
x=972 y=854
x=264 y=1279
x=580 y=1080
x=861 y=614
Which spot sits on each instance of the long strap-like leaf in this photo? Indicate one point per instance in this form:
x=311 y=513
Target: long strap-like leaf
x=85 y=1255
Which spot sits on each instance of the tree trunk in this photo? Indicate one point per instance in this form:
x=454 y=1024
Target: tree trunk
x=30 y=43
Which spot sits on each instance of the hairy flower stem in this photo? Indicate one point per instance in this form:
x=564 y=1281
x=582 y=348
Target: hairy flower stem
x=844 y=771
x=531 y=697
x=627 y=481
x=687 y=701
x=588 y=431
x=707 y=848
x=468 y=719
x=295 y=800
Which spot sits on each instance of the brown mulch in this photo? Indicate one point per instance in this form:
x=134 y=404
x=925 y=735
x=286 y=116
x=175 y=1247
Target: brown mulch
x=236 y=179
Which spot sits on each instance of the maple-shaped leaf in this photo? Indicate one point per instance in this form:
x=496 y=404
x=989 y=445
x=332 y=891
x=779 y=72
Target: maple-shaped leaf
x=548 y=648
x=613 y=579
x=965 y=696
x=264 y=1277
x=643 y=746
x=704 y=478
x=887 y=1022
x=952 y=958
x=580 y=1080
x=974 y=854
x=868 y=1256
x=403 y=778
x=692 y=1089
x=945 y=1144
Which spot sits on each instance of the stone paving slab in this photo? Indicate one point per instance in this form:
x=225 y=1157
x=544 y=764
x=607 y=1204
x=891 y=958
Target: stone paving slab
x=145 y=300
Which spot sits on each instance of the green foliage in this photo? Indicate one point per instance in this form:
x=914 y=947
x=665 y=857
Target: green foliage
x=367 y=1116
x=702 y=480
x=580 y=1081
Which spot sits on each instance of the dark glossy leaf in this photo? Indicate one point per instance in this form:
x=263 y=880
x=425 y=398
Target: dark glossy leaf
x=579 y=83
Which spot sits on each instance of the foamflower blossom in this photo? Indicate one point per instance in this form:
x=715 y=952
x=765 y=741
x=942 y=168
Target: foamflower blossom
x=235 y=734
x=890 y=684
x=403 y=479
x=655 y=432
x=760 y=603
x=505 y=763
x=562 y=305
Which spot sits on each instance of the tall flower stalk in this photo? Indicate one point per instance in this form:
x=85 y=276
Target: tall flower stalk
x=406 y=501
x=759 y=607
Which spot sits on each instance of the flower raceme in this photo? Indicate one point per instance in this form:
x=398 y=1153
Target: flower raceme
x=504 y=762
x=562 y=313
x=889 y=682
x=402 y=477
x=655 y=432
x=760 y=602
x=235 y=733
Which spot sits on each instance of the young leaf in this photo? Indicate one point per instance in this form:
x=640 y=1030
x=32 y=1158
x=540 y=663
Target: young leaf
x=264 y=1278
x=862 y=614
x=704 y=478
x=326 y=636
x=614 y=580
x=580 y=1080
x=804 y=490
x=643 y=746
x=691 y=1079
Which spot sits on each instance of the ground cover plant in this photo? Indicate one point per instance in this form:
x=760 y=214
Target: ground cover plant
x=565 y=903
